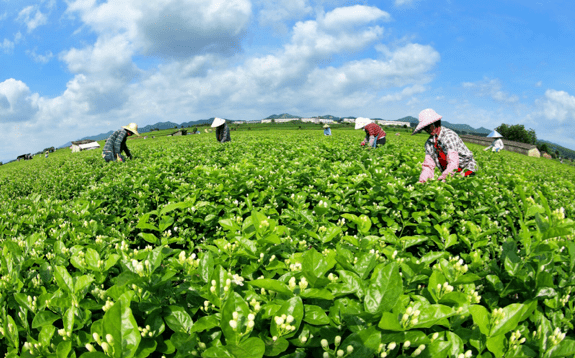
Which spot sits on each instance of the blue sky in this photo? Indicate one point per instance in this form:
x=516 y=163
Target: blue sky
x=74 y=68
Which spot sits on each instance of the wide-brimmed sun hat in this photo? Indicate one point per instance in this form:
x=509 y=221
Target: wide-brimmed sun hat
x=426 y=117
x=218 y=122
x=326 y=126
x=361 y=122
x=494 y=134
x=132 y=127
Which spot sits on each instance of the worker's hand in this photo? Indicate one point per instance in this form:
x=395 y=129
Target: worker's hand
x=363 y=143
x=486 y=149
x=120 y=159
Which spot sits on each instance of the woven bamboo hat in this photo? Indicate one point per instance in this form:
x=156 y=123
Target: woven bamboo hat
x=426 y=117
x=132 y=127
x=218 y=122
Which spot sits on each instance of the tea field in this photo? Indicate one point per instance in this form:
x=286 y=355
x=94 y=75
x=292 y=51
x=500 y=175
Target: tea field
x=285 y=244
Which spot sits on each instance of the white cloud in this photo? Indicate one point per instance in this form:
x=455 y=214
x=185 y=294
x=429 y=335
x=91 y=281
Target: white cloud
x=170 y=28
x=45 y=58
x=7 y=46
x=32 y=17
x=557 y=105
x=404 y=2
x=103 y=72
x=491 y=88
x=275 y=13
x=539 y=84
x=17 y=103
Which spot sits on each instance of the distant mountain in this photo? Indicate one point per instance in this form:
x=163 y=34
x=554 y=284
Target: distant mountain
x=564 y=152
x=281 y=116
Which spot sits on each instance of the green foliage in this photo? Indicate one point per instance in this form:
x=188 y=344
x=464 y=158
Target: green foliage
x=518 y=133
x=285 y=244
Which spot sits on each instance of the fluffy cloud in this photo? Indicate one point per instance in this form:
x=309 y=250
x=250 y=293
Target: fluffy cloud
x=557 y=105
x=170 y=28
x=275 y=13
x=32 y=17
x=491 y=88
x=45 y=58
x=17 y=103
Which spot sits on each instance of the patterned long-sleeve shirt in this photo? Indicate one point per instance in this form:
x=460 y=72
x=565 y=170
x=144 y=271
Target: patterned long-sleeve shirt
x=458 y=155
x=116 y=143
x=223 y=133
x=373 y=131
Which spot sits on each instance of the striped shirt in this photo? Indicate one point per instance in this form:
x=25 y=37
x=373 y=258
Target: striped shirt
x=449 y=141
x=116 y=143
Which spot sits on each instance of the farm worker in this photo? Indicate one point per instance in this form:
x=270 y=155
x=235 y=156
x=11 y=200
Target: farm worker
x=46 y=154
x=443 y=149
x=374 y=135
x=222 y=130
x=497 y=143
x=326 y=130
x=116 y=143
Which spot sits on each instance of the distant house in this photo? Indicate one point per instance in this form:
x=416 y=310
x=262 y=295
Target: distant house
x=392 y=123
x=546 y=155
x=85 y=144
x=518 y=147
x=178 y=133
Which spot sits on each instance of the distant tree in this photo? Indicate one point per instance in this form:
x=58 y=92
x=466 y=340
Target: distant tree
x=405 y=126
x=175 y=127
x=517 y=133
x=543 y=148
x=273 y=120
x=557 y=153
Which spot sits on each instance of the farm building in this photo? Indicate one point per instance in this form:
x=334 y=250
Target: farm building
x=178 y=133
x=517 y=147
x=85 y=144
x=546 y=155
x=392 y=123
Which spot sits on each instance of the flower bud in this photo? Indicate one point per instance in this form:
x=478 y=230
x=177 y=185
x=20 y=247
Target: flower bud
x=324 y=343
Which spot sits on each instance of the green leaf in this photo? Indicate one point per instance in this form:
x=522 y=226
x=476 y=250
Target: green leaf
x=365 y=343
x=147 y=346
x=434 y=314
x=82 y=282
x=171 y=207
x=64 y=348
x=234 y=304
x=321 y=294
x=92 y=257
x=151 y=238
x=315 y=266
x=273 y=348
x=513 y=314
x=217 y=352
x=496 y=345
x=251 y=348
x=178 y=319
x=315 y=315
x=12 y=332
x=205 y=324
x=465 y=279
x=44 y=318
x=330 y=234
x=121 y=325
x=389 y=322
x=481 y=317
x=384 y=289
x=272 y=285
x=565 y=349
x=46 y=335
x=63 y=279
x=293 y=307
